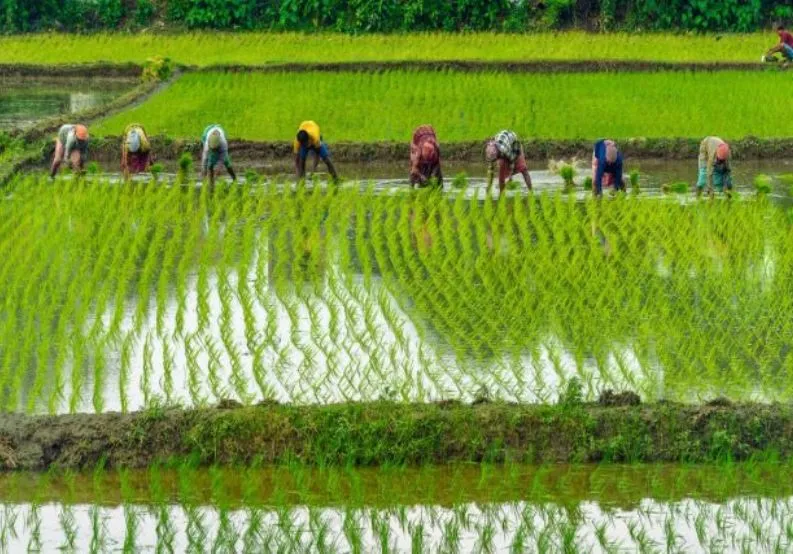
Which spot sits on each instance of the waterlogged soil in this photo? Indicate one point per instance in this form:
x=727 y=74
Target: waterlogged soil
x=24 y=102
x=654 y=172
x=615 y=429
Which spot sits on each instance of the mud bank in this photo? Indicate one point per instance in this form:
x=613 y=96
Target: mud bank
x=471 y=66
x=384 y=433
x=532 y=66
x=125 y=70
x=107 y=149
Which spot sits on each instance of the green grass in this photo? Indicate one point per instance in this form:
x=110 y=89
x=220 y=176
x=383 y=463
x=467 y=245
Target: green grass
x=261 y=48
x=367 y=107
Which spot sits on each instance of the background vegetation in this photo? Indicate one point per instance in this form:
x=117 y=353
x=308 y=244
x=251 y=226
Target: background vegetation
x=394 y=15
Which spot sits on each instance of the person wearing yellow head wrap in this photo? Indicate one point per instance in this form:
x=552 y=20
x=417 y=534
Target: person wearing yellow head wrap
x=70 y=144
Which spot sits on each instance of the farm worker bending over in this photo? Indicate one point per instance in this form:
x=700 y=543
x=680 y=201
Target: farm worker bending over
x=71 y=144
x=506 y=149
x=135 y=150
x=714 y=165
x=309 y=139
x=785 y=45
x=425 y=157
x=216 y=147
x=606 y=167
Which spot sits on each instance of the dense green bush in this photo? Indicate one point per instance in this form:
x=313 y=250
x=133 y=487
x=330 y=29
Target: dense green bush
x=354 y=16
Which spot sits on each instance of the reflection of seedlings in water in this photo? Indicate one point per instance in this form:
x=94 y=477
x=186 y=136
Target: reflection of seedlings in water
x=787 y=179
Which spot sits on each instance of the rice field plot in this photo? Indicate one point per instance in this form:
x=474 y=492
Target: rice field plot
x=372 y=107
x=212 y=48
x=118 y=297
x=350 y=511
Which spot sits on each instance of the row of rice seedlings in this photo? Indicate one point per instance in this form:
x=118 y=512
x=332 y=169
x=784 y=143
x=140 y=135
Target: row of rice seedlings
x=462 y=106
x=200 y=296
x=212 y=48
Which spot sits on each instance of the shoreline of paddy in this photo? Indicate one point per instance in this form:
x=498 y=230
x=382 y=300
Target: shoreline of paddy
x=384 y=433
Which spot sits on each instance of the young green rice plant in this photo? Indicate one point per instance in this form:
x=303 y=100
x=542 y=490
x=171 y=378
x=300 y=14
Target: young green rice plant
x=762 y=184
x=634 y=179
x=185 y=171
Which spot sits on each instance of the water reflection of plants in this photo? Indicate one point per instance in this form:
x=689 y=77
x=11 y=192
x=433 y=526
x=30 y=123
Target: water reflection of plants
x=604 y=508
x=126 y=295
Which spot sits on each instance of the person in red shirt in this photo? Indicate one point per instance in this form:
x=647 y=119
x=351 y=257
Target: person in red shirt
x=425 y=158
x=785 y=45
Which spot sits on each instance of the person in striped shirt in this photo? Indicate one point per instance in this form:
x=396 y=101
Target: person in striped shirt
x=506 y=150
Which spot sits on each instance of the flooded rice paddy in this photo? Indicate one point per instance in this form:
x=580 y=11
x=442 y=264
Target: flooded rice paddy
x=123 y=296
x=23 y=102
x=431 y=509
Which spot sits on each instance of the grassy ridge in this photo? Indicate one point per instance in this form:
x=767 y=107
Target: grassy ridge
x=388 y=433
x=368 y=107
x=260 y=48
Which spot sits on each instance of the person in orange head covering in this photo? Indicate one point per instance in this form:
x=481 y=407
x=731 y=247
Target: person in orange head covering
x=70 y=144
x=714 y=166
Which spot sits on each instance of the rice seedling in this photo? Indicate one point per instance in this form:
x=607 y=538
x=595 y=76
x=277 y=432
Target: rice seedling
x=211 y=48
x=235 y=99
x=303 y=296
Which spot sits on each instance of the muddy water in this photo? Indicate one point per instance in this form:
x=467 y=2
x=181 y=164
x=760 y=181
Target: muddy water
x=653 y=173
x=24 y=102
x=432 y=509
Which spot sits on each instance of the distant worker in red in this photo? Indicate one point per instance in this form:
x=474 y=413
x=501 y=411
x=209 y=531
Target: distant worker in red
x=425 y=158
x=507 y=150
x=785 y=46
x=71 y=145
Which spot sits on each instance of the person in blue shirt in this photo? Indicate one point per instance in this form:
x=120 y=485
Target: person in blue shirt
x=606 y=167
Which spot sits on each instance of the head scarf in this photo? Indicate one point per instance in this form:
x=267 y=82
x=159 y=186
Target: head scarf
x=214 y=140
x=723 y=152
x=81 y=132
x=429 y=152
